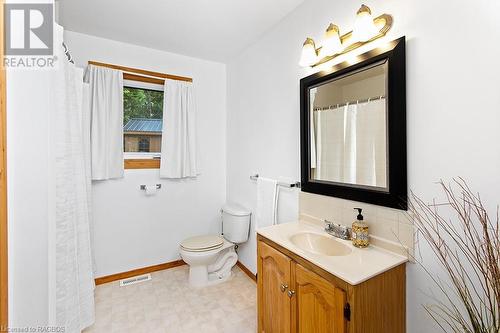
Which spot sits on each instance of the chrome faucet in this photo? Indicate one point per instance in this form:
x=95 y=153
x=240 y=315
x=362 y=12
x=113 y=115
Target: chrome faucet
x=337 y=230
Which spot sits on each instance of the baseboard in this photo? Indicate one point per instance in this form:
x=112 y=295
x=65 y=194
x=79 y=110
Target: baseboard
x=139 y=271
x=246 y=271
x=160 y=267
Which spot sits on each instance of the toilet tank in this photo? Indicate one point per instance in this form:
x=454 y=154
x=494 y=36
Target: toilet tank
x=235 y=223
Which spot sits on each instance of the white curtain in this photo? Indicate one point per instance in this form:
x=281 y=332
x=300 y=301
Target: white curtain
x=178 y=145
x=74 y=280
x=351 y=144
x=371 y=166
x=106 y=104
x=330 y=144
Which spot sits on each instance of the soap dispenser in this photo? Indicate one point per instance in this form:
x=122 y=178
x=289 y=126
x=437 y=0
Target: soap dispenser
x=360 y=231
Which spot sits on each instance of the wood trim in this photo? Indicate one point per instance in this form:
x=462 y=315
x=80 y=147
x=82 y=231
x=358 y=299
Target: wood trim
x=142 y=72
x=4 y=314
x=140 y=78
x=142 y=163
x=247 y=271
x=138 y=271
x=160 y=267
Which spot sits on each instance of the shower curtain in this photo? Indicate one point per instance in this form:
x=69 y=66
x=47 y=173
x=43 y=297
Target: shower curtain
x=371 y=145
x=74 y=280
x=351 y=144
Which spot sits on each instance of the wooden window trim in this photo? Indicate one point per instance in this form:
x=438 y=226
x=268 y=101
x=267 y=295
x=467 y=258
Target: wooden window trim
x=142 y=163
x=136 y=74
x=140 y=78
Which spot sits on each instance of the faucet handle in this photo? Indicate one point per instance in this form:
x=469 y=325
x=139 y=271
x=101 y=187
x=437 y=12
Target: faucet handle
x=328 y=225
x=347 y=233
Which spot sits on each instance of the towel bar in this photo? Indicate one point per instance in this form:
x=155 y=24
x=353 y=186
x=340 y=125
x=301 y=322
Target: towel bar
x=143 y=187
x=293 y=185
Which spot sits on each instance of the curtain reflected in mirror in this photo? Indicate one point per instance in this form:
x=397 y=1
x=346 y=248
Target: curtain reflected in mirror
x=348 y=129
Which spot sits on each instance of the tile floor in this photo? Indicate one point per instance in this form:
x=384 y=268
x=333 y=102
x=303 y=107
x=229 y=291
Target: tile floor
x=168 y=304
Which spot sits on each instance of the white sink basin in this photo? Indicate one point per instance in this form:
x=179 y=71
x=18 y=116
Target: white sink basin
x=319 y=244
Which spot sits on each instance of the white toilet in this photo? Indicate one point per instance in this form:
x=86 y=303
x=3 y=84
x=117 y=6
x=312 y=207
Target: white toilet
x=211 y=257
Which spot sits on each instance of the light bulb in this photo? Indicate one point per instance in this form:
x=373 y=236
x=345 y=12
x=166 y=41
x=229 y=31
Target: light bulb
x=331 y=41
x=364 y=27
x=309 y=55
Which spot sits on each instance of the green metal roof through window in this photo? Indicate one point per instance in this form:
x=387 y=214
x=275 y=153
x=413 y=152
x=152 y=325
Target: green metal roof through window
x=143 y=125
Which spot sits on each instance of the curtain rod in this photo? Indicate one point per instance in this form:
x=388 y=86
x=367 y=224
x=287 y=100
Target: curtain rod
x=336 y=106
x=148 y=75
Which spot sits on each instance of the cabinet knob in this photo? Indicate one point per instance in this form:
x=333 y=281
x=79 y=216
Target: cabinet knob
x=283 y=287
x=291 y=293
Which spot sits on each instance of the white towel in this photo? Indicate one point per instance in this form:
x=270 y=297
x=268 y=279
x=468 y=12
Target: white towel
x=267 y=202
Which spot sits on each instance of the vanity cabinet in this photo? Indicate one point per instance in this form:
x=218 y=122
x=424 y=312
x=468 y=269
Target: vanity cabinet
x=294 y=295
x=274 y=279
x=319 y=304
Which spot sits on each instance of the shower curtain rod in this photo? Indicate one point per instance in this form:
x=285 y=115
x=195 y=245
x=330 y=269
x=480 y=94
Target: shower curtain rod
x=336 y=106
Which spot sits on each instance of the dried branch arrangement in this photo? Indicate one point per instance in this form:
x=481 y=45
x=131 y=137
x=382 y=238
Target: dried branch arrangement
x=466 y=244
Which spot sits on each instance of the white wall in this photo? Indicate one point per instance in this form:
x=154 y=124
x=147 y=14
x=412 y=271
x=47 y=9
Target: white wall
x=452 y=96
x=132 y=230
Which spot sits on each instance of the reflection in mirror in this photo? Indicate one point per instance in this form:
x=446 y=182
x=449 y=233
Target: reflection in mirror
x=348 y=120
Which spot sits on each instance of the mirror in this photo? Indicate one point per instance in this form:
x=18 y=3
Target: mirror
x=353 y=134
x=349 y=129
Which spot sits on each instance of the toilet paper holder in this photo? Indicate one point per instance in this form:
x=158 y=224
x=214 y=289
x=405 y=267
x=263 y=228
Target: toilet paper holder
x=143 y=187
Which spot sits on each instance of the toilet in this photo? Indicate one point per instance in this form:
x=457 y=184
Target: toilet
x=211 y=257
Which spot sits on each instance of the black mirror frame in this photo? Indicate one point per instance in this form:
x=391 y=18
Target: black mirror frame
x=397 y=195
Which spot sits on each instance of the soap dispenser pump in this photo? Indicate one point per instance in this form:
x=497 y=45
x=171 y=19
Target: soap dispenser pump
x=360 y=231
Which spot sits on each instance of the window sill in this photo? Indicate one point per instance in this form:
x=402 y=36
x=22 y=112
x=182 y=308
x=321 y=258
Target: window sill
x=141 y=163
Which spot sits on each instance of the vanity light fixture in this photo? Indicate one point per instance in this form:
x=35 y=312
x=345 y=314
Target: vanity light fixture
x=309 y=54
x=366 y=29
x=331 y=41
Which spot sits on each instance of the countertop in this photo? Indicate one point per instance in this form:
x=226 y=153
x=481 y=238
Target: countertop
x=354 y=268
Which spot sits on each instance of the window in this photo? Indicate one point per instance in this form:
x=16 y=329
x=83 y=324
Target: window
x=144 y=144
x=142 y=121
x=142 y=114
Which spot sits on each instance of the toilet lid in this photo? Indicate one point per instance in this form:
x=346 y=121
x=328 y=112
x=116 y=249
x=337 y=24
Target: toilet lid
x=202 y=243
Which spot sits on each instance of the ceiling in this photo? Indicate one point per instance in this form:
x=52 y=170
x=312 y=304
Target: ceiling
x=215 y=30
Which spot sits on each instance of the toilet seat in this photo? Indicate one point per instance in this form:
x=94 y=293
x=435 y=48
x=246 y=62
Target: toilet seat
x=202 y=243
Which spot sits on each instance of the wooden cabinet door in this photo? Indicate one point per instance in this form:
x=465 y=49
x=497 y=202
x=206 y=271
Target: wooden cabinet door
x=318 y=304
x=273 y=281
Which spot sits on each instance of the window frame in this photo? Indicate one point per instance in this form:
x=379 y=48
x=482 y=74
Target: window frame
x=142 y=160
x=144 y=142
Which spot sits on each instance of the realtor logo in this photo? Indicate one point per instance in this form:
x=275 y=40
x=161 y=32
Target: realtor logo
x=29 y=29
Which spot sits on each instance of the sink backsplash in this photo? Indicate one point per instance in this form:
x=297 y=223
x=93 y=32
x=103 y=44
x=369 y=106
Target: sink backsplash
x=391 y=229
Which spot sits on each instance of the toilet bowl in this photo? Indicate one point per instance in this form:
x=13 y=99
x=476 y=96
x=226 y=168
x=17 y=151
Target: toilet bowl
x=209 y=265
x=211 y=257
